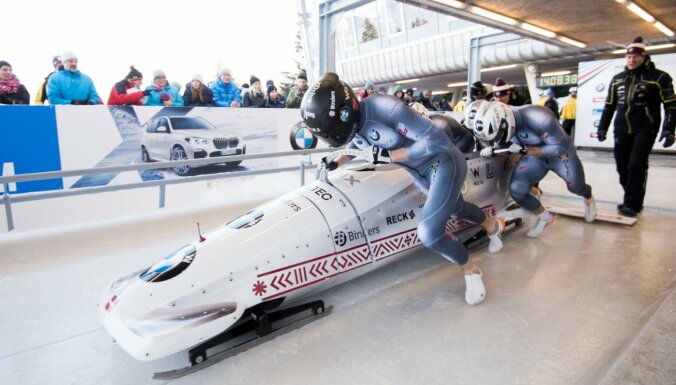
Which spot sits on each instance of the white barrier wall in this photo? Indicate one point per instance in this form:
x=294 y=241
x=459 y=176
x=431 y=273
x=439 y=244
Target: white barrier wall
x=42 y=138
x=593 y=81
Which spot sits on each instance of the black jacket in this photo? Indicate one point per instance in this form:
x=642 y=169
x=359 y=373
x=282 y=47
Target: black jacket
x=636 y=96
x=207 y=94
x=21 y=96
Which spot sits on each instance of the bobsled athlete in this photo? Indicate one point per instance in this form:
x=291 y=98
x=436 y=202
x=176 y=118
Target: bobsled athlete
x=535 y=132
x=396 y=133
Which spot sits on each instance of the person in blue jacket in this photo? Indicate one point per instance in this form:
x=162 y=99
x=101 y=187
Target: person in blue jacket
x=71 y=86
x=226 y=92
x=396 y=133
x=161 y=93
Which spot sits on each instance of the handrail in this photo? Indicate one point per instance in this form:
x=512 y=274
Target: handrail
x=8 y=199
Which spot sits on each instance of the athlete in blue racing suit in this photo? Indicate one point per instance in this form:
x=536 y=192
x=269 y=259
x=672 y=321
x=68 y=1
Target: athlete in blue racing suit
x=398 y=134
x=535 y=132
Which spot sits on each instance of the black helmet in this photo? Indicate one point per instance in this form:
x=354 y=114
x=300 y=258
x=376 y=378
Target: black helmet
x=477 y=91
x=330 y=110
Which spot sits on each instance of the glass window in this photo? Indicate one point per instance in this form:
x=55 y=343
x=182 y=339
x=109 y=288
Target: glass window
x=181 y=123
x=391 y=17
x=417 y=17
x=346 y=36
x=366 y=22
x=170 y=266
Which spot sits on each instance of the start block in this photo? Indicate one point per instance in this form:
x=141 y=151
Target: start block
x=600 y=216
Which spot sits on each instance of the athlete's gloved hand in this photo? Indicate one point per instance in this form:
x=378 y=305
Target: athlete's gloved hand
x=668 y=139
x=517 y=149
x=330 y=166
x=601 y=136
x=487 y=152
x=380 y=155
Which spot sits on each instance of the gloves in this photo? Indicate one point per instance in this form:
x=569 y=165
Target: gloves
x=79 y=102
x=487 y=152
x=668 y=138
x=330 y=166
x=517 y=149
x=146 y=92
x=380 y=156
x=601 y=135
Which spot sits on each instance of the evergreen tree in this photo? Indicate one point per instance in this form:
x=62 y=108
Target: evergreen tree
x=370 y=31
x=285 y=86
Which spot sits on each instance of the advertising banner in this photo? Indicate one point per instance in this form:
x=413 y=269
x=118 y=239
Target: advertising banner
x=593 y=81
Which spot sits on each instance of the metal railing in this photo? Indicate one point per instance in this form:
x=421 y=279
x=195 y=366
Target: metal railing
x=9 y=199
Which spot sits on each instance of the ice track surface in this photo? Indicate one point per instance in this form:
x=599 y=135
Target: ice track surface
x=584 y=304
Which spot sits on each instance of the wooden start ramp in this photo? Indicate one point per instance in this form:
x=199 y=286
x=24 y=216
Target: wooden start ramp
x=600 y=216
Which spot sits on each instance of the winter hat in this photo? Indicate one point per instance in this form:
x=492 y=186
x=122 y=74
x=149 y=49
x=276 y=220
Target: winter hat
x=157 y=73
x=245 y=85
x=56 y=60
x=302 y=75
x=253 y=79
x=572 y=89
x=548 y=92
x=409 y=92
x=4 y=63
x=382 y=90
x=501 y=87
x=134 y=74
x=197 y=77
x=369 y=86
x=269 y=83
x=477 y=90
x=397 y=88
x=637 y=47
x=271 y=88
x=224 y=71
x=68 y=55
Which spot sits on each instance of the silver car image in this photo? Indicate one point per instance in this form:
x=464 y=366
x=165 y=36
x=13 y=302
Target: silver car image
x=179 y=137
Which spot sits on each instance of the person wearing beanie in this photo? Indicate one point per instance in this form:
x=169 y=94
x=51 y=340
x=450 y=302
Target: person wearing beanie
x=369 y=89
x=226 y=93
x=273 y=99
x=477 y=91
x=634 y=97
x=296 y=93
x=382 y=90
x=256 y=97
x=196 y=94
x=71 y=86
x=408 y=96
x=11 y=89
x=41 y=95
x=128 y=91
x=505 y=93
x=161 y=93
x=569 y=111
x=398 y=92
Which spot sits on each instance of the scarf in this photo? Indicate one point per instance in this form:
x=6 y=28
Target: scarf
x=9 y=86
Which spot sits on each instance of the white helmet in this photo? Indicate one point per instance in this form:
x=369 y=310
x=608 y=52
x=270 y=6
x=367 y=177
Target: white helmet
x=470 y=112
x=494 y=121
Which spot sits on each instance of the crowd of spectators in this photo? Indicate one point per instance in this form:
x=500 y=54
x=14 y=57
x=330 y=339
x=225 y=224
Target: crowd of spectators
x=68 y=85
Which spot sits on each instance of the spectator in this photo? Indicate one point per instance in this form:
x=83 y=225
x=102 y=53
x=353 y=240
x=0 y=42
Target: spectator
x=505 y=93
x=408 y=96
x=244 y=89
x=569 y=111
x=297 y=92
x=255 y=98
x=460 y=106
x=161 y=93
x=382 y=90
x=477 y=91
x=11 y=89
x=197 y=94
x=41 y=95
x=369 y=89
x=551 y=102
x=637 y=121
x=71 y=86
x=274 y=100
x=426 y=99
x=399 y=92
x=281 y=96
x=128 y=90
x=226 y=93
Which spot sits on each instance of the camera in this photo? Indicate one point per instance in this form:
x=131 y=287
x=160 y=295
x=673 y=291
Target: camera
x=300 y=94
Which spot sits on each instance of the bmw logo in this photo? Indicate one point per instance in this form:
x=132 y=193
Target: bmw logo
x=600 y=87
x=374 y=135
x=340 y=238
x=301 y=138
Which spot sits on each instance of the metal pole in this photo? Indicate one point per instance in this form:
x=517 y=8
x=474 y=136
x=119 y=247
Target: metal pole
x=8 y=208
x=163 y=193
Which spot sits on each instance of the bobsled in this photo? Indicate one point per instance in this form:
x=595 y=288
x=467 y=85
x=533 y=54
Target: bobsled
x=254 y=268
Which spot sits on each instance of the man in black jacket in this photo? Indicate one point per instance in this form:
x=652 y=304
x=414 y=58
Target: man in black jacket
x=636 y=93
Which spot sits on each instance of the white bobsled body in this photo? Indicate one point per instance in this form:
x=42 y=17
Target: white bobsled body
x=304 y=242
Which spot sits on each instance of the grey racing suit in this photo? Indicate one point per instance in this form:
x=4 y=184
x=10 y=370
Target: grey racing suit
x=536 y=126
x=438 y=168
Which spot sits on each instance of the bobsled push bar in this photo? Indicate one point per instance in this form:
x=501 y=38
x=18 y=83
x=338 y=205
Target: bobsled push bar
x=613 y=218
x=259 y=324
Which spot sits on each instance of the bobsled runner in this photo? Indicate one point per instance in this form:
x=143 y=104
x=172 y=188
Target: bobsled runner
x=250 y=275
